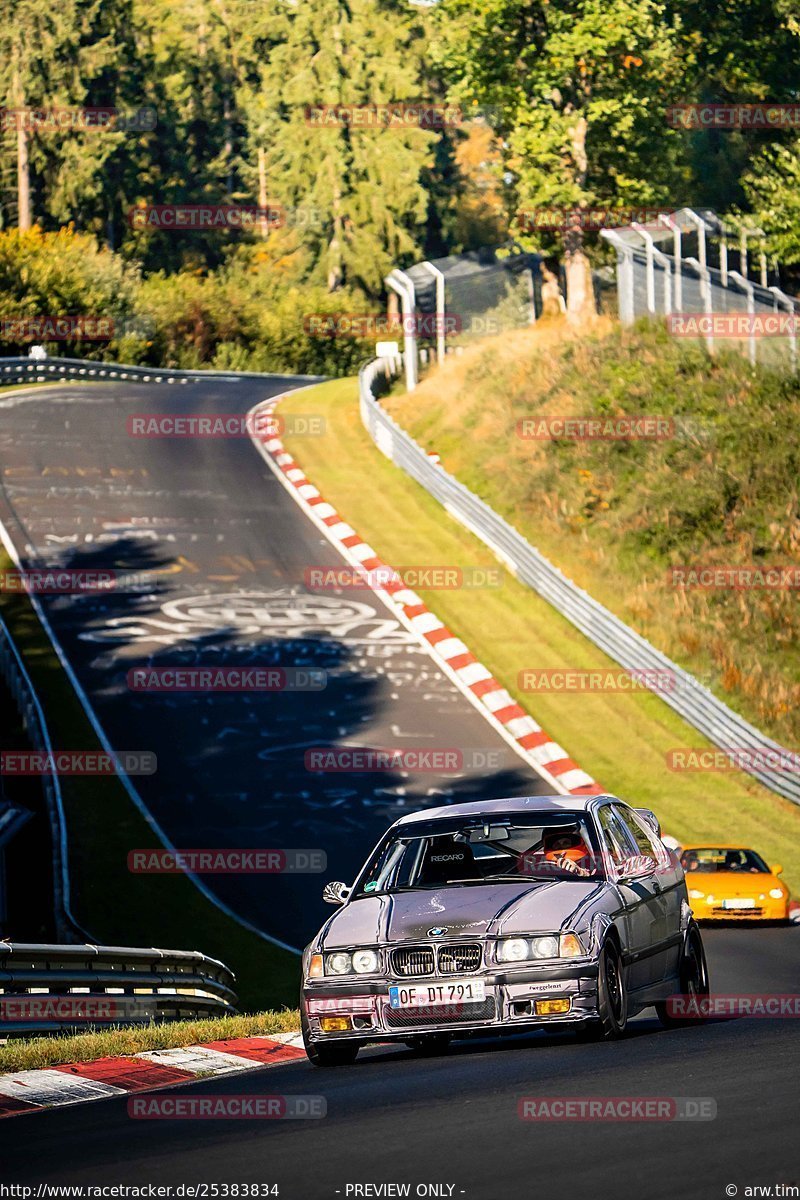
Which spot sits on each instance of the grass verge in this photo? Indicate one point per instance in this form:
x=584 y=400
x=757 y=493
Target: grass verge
x=621 y=738
x=28 y=1054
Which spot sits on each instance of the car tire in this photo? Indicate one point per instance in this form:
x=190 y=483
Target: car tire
x=328 y=1054
x=693 y=975
x=612 y=999
x=428 y=1045
x=332 y=1054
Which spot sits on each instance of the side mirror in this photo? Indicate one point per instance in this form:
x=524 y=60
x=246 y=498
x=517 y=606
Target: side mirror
x=776 y=869
x=638 y=866
x=650 y=819
x=335 y=893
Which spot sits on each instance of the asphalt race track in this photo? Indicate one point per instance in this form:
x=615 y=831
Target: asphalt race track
x=215 y=552
x=395 y=1118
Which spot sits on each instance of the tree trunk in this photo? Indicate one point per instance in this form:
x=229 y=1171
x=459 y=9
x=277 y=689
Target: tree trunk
x=23 y=178
x=581 y=306
x=263 y=222
x=24 y=219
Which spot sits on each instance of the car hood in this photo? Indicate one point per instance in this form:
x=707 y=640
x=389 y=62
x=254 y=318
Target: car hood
x=469 y=912
x=731 y=883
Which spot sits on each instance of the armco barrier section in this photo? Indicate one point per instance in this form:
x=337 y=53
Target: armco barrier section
x=54 y=370
x=41 y=987
x=687 y=696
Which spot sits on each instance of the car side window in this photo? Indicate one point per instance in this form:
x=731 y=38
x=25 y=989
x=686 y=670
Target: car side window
x=617 y=842
x=643 y=839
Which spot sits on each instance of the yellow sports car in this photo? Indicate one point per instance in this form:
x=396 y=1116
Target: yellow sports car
x=732 y=883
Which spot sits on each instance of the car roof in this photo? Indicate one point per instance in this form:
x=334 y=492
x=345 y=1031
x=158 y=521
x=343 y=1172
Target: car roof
x=512 y=804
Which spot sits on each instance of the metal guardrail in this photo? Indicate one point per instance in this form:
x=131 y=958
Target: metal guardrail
x=48 y=988
x=51 y=370
x=12 y=670
x=687 y=696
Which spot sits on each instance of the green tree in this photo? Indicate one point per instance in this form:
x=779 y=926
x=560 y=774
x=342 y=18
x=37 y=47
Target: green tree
x=364 y=186
x=57 y=56
x=580 y=90
x=772 y=191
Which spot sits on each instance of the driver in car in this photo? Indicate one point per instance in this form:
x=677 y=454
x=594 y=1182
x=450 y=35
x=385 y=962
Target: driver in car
x=563 y=848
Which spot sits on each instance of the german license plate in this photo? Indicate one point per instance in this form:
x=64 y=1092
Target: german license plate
x=738 y=903
x=420 y=995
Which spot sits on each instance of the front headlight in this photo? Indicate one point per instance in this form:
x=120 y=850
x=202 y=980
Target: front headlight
x=776 y=893
x=364 y=962
x=338 y=964
x=511 y=950
x=545 y=947
x=695 y=895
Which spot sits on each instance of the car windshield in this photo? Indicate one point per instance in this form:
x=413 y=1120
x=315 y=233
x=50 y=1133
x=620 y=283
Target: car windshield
x=499 y=849
x=709 y=860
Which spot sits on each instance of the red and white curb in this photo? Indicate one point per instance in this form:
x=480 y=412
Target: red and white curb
x=469 y=675
x=149 y=1070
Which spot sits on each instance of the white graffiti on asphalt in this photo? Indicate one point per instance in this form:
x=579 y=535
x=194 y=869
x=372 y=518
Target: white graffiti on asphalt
x=278 y=614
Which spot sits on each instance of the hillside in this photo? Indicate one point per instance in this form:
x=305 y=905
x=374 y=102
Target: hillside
x=618 y=516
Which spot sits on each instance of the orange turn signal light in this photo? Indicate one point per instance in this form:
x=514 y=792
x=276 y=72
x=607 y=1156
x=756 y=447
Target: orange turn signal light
x=335 y=1024
x=551 y=1008
x=315 y=967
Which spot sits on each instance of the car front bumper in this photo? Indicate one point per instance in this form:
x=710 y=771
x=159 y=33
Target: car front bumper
x=510 y=1004
x=762 y=910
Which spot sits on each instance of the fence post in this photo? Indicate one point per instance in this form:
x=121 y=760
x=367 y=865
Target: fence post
x=440 y=310
x=749 y=292
x=624 y=275
x=708 y=302
x=655 y=255
x=786 y=301
x=399 y=282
